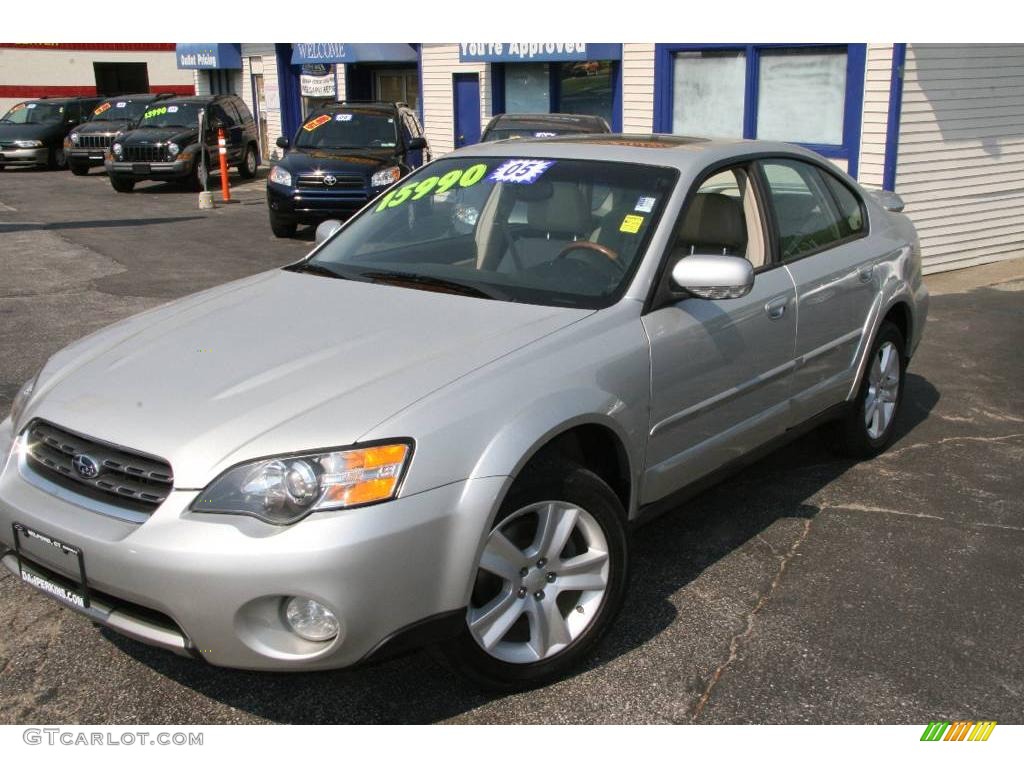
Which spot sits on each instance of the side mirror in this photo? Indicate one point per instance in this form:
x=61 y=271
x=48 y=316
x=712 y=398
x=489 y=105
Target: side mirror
x=417 y=142
x=713 y=276
x=890 y=201
x=283 y=142
x=326 y=228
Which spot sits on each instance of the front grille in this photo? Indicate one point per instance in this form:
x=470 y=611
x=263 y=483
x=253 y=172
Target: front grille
x=145 y=153
x=125 y=477
x=343 y=181
x=95 y=140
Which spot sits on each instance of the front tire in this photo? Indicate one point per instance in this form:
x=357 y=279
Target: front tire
x=122 y=184
x=869 y=427
x=282 y=228
x=551 y=578
x=57 y=160
x=79 y=169
x=200 y=176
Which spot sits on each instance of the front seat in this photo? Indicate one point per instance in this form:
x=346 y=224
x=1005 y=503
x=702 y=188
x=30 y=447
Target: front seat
x=552 y=223
x=714 y=223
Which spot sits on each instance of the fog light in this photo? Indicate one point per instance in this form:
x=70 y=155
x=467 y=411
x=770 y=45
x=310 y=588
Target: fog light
x=310 y=620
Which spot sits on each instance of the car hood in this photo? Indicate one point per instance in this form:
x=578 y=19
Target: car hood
x=351 y=160
x=277 y=363
x=30 y=131
x=104 y=126
x=182 y=136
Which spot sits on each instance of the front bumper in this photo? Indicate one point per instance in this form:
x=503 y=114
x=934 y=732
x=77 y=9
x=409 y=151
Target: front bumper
x=85 y=155
x=311 y=206
x=175 y=169
x=220 y=579
x=33 y=156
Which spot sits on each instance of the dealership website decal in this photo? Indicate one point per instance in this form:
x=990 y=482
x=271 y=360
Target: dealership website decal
x=958 y=730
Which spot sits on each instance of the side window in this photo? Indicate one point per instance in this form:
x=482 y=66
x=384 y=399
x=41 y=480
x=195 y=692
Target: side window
x=806 y=218
x=229 y=110
x=244 y=115
x=851 y=210
x=723 y=217
x=73 y=111
x=408 y=129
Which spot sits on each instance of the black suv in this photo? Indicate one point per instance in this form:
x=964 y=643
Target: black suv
x=32 y=132
x=342 y=156
x=165 y=143
x=84 y=146
x=540 y=125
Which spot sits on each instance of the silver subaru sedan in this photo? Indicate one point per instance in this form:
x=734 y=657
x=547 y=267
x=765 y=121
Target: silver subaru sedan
x=439 y=427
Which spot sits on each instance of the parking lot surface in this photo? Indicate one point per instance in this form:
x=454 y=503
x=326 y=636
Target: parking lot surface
x=805 y=589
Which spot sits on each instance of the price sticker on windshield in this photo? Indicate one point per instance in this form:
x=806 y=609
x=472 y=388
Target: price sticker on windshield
x=436 y=185
x=155 y=112
x=316 y=122
x=101 y=108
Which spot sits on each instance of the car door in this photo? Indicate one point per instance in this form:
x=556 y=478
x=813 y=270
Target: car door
x=720 y=369
x=235 y=132
x=821 y=228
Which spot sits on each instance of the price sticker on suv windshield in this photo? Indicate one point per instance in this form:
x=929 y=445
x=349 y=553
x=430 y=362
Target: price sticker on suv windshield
x=436 y=185
x=155 y=112
x=316 y=122
x=101 y=108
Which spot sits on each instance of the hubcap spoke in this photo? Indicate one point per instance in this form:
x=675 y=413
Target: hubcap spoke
x=494 y=620
x=584 y=572
x=554 y=527
x=883 y=390
x=548 y=628
x=502 y=558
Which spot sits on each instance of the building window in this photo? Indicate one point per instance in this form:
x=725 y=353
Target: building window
x=573 y=87
x=528 y=88
x=801 y=95
x=708 y=93
x=804 y=94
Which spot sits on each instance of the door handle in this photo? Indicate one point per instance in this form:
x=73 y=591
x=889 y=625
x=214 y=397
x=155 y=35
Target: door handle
x=776 y=309
x=866 y=273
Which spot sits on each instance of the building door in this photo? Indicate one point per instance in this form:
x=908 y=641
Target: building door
x=466 y=96
x=259 y=110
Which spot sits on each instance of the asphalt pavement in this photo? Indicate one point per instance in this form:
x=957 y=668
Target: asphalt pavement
x=805 y=589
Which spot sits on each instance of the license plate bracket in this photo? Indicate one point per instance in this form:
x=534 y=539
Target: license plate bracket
x=77 y=596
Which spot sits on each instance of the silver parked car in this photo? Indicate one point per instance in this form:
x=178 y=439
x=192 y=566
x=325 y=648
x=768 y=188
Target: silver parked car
x=439 y=426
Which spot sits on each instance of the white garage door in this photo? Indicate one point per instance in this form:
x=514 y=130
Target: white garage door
x=960 y=165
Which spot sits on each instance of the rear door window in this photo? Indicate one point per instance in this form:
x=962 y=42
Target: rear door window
x=805 y=216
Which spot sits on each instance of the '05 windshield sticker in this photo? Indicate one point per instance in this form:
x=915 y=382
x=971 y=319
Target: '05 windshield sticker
x=101 y=108
x=631 y=224
x=121 y=104
x=343 y=117
x=316 y=122
x=544 y=134
x=437 y=185
x=520 y=171
x=156 y=112
x=172 y=109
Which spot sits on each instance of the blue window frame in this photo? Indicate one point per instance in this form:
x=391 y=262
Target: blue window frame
x=848 y=150
x=554 y=90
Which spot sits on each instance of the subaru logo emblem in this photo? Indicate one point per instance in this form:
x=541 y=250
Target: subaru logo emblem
x=85 y=466
x=330 y=181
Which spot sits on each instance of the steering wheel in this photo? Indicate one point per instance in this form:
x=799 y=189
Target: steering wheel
x=587 y=245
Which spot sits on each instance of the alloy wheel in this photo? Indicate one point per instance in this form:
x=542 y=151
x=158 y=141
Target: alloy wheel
x=542 y=580
x=883 y=390
x=250 y=162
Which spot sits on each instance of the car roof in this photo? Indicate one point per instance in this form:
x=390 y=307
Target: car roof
x=545 y=119
x=137 y=96
x=372 y=106
x=685 y=153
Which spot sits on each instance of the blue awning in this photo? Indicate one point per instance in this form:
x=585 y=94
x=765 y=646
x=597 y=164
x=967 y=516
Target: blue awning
x=350 y=53
x=208 y=55
x=521 y=52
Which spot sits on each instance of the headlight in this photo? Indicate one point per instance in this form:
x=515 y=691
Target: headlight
x=386 y=176
x=279 y=175
x=173 y=149
x=284 y=490
x=28 y=143
x=21 y=399
x=74 y=139
x=116 y=148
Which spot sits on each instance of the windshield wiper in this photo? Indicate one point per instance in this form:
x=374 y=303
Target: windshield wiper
x=450 y=286
x=315 y=269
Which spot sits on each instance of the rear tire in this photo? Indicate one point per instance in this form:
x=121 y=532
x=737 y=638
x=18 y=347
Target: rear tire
x=282 y=228
x=247 y=168
x=542 y=602
x=869 y=427
x=79 y=169
x=121 y=184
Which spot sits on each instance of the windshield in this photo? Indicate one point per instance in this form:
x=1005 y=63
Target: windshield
x=33 y=112
x=171 y=116
x=351 y=129
x=119 y=110
x=497 y=134
x=540 y=231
